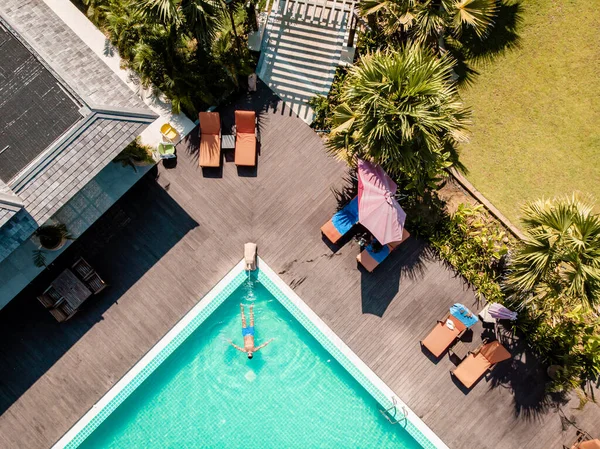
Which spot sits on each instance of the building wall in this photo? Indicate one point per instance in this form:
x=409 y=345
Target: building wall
x=18 y=270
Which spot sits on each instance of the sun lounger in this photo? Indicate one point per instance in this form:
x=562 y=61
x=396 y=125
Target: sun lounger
x=442 y=336
x=589 y=444
x=370 y=259
x=210 y=139
x=341 y=222
x=245 y=138
x=479 y=362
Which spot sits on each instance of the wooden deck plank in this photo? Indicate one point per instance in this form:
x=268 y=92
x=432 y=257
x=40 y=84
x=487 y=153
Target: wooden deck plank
x=186 y=231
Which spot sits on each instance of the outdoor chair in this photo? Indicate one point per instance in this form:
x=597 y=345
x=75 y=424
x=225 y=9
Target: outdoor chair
x=95 y=283
x=82 y=268
x=168 y=132
x=62 y=312
x=370 y=259
x=210 y=139
x=166 y=150
x=442 y=336
x=245 y=138
x=341 y=222
x=46 y=300
x=480 y=361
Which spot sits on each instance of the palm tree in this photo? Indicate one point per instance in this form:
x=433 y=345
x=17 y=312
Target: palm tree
x=199 y=18
x=401 y=110
x=557 y=267
x=428 y=21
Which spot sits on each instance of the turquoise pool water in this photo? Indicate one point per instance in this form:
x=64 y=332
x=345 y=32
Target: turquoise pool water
x=292 y=394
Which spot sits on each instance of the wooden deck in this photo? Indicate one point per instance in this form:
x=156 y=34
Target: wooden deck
x=167 y=242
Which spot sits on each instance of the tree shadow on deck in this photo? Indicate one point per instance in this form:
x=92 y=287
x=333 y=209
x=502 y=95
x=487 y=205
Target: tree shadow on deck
x=525 y=376
x=379 y=288
x=122 y=245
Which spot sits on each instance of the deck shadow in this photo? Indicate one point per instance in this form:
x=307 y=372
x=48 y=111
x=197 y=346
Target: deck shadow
x=122 y=246
x=526 y=377
x=379 y=288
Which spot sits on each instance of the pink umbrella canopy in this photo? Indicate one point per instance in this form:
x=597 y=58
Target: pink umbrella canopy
x=378 y=210
x=500 y=312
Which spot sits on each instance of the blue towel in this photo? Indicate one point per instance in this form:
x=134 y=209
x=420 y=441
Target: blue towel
x=460 y=312
x=347 y=217
x=380 y=255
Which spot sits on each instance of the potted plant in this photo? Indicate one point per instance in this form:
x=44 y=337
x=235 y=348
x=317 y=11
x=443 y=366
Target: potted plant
x=135 y=154
x=51 y=237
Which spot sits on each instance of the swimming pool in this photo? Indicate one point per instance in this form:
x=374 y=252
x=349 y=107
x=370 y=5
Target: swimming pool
x=194 y=389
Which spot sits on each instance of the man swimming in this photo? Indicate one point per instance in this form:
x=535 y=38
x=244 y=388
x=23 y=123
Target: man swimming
x=248 y=334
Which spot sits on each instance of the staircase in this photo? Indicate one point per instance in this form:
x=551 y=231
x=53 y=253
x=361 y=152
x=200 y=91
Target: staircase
x=301 y=48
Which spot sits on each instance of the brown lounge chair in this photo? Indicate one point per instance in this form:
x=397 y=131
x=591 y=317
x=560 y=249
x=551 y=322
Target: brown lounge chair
x=371 y=260
x=245 y=138
x=210 y=139
x=441 y=336
x=479 y=362
x=589 y=444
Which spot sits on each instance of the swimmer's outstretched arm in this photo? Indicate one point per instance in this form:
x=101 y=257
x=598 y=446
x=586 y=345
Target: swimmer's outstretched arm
x=263 y=345
x=236 y=346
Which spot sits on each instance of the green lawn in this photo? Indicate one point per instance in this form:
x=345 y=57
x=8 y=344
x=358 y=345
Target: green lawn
x=536 y=109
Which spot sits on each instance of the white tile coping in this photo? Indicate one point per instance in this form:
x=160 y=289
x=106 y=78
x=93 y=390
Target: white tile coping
x=346 y=351
x=202 y=304
x=97 y=42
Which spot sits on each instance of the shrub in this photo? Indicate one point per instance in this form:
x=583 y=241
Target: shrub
x=476 y=246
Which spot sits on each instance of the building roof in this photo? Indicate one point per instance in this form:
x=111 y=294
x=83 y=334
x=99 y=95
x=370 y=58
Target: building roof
x=70 y=116
x=35 y=109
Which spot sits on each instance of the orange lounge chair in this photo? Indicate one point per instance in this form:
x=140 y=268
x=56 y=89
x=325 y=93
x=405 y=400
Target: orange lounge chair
x=478 y=362
x=441 y=337
x=589 y=444
x=210 y=139
x=371 y=259
x=245 y=138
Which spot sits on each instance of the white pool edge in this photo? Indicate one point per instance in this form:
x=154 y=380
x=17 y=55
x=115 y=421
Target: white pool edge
x=348 y=353
x=116 y=389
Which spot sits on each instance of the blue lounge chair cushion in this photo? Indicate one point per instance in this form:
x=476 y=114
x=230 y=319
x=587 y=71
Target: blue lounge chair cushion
x=346 y=217
x=380 y=255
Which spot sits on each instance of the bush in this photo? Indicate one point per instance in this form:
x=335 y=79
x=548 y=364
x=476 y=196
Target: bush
x=476 y=246
x=324 y=105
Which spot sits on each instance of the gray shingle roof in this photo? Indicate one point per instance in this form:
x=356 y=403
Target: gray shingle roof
x=68 y=55
x=114 y=115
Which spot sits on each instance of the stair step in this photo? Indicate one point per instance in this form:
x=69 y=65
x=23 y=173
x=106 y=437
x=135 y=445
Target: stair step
x=302 y=41
x=311 y=33
x=322 y=73
x=303 y=48
x=303 y=56
x=319 y=83
x=289 y=93
x=306 y=62
x=297 y=86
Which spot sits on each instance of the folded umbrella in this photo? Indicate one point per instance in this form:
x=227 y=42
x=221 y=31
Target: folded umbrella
x=499 y=312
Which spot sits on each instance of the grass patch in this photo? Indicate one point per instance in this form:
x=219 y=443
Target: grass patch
x=536 y=109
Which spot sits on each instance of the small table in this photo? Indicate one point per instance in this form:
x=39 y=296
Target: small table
x=71 y=289
x=459 y=350
x=228 y=142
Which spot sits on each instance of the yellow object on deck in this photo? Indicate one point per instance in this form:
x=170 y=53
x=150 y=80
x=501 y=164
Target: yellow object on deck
x=168 y=132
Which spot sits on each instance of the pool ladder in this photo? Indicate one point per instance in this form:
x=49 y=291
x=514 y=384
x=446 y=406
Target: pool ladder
x=388 y=412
